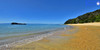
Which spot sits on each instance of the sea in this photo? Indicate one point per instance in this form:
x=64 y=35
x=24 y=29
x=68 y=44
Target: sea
x=12 y=34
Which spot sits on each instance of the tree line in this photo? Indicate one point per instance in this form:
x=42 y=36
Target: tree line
x=86 y=18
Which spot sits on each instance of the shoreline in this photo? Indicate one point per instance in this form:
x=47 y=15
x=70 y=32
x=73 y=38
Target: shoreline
x=70 y=30
x=33 y=38
x=87 y=38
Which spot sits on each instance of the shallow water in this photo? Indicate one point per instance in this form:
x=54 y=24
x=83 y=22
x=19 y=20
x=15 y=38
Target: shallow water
x=12 y=30
x=15 y=34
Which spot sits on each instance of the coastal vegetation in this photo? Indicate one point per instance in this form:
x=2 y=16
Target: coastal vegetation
x=86 y=18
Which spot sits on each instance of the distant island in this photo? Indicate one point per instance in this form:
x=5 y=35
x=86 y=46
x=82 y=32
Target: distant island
x=86 y=18
x=14 y=23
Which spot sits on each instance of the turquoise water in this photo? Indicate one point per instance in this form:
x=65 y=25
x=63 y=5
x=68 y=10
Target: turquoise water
x=12 y=30
x=10 y=34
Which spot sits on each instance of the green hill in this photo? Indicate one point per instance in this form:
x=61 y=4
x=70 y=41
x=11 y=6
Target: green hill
x=86 y=18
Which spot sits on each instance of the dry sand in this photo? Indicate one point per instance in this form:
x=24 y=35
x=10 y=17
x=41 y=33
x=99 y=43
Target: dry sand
x=89 y=24
x=87 y=38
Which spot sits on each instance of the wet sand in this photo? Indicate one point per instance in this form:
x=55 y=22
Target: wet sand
x=86 y=38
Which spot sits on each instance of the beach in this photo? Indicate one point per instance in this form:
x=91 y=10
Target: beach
x=24 y=34
x=87 y=24
x=81 y=37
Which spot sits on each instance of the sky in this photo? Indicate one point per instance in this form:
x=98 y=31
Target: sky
x=44 y=11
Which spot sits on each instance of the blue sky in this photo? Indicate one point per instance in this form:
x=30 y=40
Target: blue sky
x=44 y=11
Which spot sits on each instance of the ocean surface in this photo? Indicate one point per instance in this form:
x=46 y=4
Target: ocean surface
x=12 y=30
x=11 y=33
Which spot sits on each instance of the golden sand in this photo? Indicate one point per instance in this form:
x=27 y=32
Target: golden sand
x=87 y=38
x=89 y=24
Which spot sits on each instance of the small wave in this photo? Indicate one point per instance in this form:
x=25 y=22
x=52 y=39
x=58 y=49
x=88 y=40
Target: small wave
x=32 y=38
